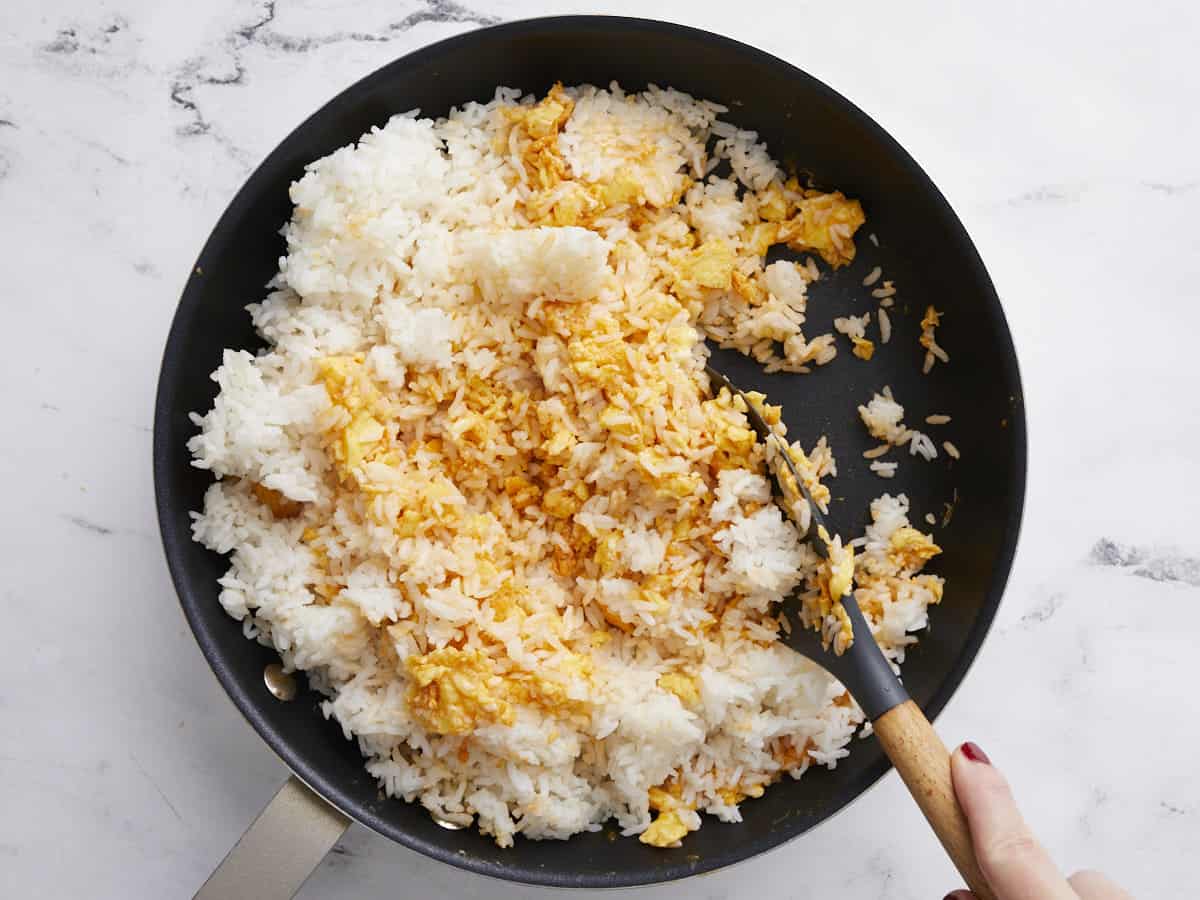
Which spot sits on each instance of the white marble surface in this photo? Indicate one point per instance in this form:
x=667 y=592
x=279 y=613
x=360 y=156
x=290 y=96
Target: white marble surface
x=1064 y=135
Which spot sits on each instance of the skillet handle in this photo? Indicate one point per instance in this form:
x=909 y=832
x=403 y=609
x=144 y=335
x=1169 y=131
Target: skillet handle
x=279 y=850
x=924 y=763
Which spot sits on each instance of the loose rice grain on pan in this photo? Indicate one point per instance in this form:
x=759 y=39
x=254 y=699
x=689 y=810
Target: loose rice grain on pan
x=533 y=564
x=920 y=444
x=928 y=339
x=885 y=325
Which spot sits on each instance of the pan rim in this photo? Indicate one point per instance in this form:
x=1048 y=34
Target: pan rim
x=173 y=540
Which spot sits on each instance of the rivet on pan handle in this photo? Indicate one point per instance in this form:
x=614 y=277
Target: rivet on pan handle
x=279 y=850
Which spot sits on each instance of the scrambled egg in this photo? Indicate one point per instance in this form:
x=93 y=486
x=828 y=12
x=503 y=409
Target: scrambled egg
x=841 y=565
x=507 y=602
x=863 y=348
x=736 y=794
x=710 y=265
x=773 y=203
x=665 y=831
x=760 y=237
x=561 y=503
x=542 y=123
x=824 y=223
x=347 y=383
x=550 y=695
x=363 y=437
x=453 y=690
x=601 y=355
x=749 y=289
x=548 y=171
x=668 y=828
x=909 y=549
x=733 y=438
x=836 y=580
x=624 y=188
x=682 y=686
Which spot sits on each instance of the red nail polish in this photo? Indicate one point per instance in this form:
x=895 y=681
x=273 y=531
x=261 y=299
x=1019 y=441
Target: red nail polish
x=972 y=752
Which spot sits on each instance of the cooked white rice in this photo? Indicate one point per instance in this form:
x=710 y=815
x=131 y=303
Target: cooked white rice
x=885 y=325
x=855 y=328
x=921 y=444
x=476 y=488
x=884 y=418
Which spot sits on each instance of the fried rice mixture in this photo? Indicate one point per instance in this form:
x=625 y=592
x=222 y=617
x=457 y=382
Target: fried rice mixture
x=478 y=488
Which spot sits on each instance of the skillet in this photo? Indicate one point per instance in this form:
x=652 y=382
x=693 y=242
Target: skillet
x=922 y=246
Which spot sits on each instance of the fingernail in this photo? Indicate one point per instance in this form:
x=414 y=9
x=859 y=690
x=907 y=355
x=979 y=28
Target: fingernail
x=972 y=751
x=958 y=895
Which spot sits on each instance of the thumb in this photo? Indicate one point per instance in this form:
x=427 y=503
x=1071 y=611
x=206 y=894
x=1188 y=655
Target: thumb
x=1013 y=862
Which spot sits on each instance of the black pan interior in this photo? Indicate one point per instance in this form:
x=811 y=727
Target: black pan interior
x=922 y=246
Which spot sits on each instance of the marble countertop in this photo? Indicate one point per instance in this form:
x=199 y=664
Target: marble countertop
x=1063 y=136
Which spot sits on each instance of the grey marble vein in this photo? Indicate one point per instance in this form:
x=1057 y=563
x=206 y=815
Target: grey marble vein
x=1146 y=562
x=87 y=40
x=1173 y=189
x=105 y=49
x=88 y=525
x=104 y=149
x=1044 y=610
x=444 y=11
x=1107 y=552
x=1047 y=194
x=259 y=32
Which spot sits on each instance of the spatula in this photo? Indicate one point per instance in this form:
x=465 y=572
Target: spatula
x=904 y=732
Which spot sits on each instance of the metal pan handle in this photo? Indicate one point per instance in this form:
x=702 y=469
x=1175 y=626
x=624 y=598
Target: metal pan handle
x=279 y=850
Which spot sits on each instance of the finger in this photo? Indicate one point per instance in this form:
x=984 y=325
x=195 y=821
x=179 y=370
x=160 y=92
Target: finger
x=1012 y=861
x=960 y=895
x=1091 y=885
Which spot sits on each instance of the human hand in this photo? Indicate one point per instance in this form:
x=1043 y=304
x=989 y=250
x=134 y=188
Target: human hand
x=1015 y=865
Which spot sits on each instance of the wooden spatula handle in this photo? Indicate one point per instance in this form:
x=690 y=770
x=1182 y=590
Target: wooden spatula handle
x=924 y=763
